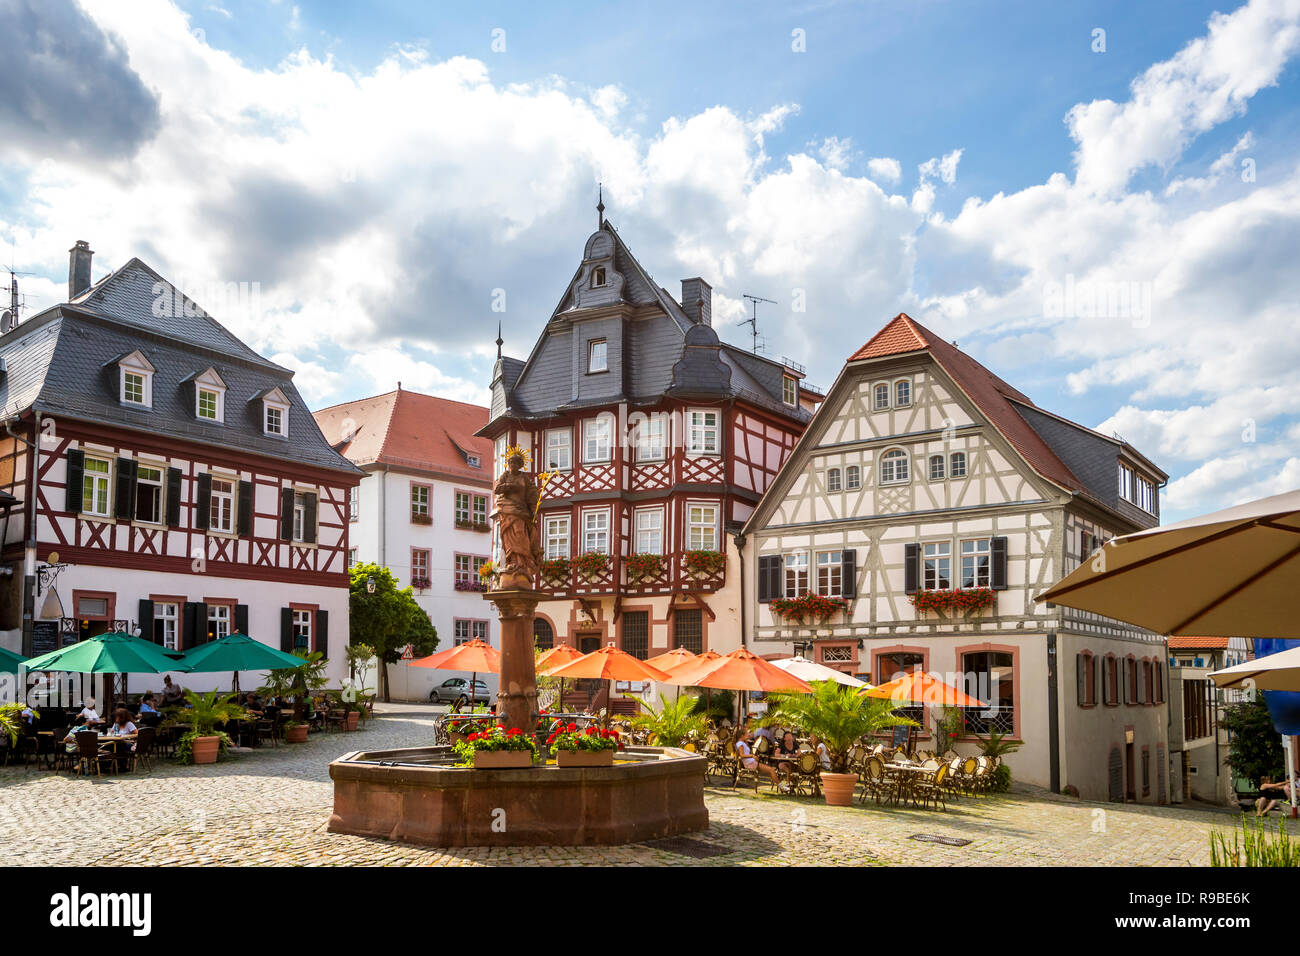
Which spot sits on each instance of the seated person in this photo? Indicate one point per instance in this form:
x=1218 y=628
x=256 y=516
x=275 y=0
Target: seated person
x=787 y=748
x=173 y=694
x=819 y=748
x=149 y=708
x=121 y=725
x=252 y=705
x=745 y=753
x=1268 y=802
x=70 y=739
x=89 y=714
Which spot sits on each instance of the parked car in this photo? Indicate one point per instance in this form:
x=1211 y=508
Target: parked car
x=458 y=688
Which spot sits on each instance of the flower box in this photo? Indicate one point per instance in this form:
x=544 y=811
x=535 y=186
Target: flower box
x=420 y=583
x=814 y=607
x=466 y=585
x=555 y=569
x=592 y=564
x=421 y=519
x=705 y=562
x=643 y=565
x=584 y=758
x=502 y=759
x=961 y=599
x=464 y=525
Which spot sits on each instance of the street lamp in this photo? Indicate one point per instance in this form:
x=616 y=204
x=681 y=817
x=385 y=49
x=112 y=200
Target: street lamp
x=370 y=584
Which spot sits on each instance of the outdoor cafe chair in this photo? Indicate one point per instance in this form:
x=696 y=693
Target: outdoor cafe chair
x=874 y=782
x=88 y=753
x=807 y=778
x=144 y=742
x=741 y=772
x=929 y=787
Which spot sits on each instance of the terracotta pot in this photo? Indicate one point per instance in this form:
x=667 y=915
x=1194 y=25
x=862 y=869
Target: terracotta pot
x=354 y=717
x=500 y=759
x=296 y=735
x=838 y=788
x=584 y=758
x=205 y=749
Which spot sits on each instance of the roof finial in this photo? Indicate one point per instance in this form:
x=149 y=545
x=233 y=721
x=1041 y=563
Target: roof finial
x=499 y=340
x=600 y=206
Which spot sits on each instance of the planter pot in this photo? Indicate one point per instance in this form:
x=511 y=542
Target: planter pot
x=584 y=758
x=501 y=759
x=838 y=788
x=296 y=735
x=354 y=717
x=205 y=749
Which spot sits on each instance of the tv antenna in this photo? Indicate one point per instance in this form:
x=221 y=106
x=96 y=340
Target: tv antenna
x=9 y=315
x=752 y=321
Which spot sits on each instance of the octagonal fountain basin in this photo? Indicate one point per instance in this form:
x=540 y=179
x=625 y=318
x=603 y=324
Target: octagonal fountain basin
x=418 y=795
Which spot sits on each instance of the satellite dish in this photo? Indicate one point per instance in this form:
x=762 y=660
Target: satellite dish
x=6 y=317
x=53 y=558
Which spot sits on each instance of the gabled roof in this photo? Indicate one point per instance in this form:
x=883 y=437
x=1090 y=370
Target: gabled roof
x=410 y=430
x=991 y=395
x=1198 y=643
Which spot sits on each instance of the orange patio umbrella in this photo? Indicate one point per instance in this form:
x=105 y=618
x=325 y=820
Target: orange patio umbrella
x=474 y=656
x=739 y=670
x=610 y=664
x=674 y=658
x=556 y=657
x=919 y=687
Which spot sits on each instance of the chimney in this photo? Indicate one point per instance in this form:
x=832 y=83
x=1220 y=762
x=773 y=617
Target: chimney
x=79 y=268
x=697 y=300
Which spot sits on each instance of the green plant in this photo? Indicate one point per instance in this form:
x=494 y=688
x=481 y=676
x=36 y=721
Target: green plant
x=591 y=739
x=493 y=739
x=591 y=563
x=704 y=562
x=358 y=653
x=208 y=709
x=644 y=565
x=555 y=569
x=837 y=714
x=808 y=606
x=961 y=599
x=11 y=720
x=185 y=745
x=951 y=724
x=1254 y=747
x=673 y=722
x=1262 y=845
x=997 y=745
x=716 y=704
x=1001 y=782
x=387 y=618
x=298 y=681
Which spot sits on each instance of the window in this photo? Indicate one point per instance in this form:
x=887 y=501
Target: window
x=559 y=449
x=1146 y=495
x=420 y=504
x=853 y=478
x=218 y=621
x=789 y=390
x=595 y=531
x=598 y=277
x=702 y=527
x=352 y=557
x=936 y=467
x=499 y=455
x=1110 y=677
x=136 y=377
x=464 y=630
x=976 y=562
x=300 y=517
x=1130 y=680
x=903 y=393
x=209 y=404
x=688 y=629
x=94 y=487
x=221 y=508
x=464 y=507
x=302 y=628
x=133 y=388
x=354 y=504
x=636 y=633
x=557 y=537
x=274 y=420
x=1125 y=482
x=957 y=465
x=881 y=399
x=796 y=574
x=420 y=567
x=833 y=479
x=148 y=494
x=936 y=566
x=165 y=625
x=650 y=531
x=893 y=468
x=474 y=461
x=897 y=664
x=543 y=634
x=703 y=433
x=1158 y=677
x=596 y=439
x=464 y=571
x=1086 y=679
x=650 y=442
x=597 y=356
x=996 y=671
x=1148 y=684
x=830 y=573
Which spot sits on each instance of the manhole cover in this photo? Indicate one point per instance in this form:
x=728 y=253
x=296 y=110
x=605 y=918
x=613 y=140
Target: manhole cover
x=685 y=846
x=935 y=838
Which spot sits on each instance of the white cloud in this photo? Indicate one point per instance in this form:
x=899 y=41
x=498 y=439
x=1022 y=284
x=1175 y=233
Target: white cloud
x=884 y=169
x=945 y=168
x=835 y=153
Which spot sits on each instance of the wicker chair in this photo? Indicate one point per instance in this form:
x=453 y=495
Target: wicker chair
x=807 y=775
x=874 y=782
x=740 y=771
x=88 y=753
x=929 y=787
x=144 y=744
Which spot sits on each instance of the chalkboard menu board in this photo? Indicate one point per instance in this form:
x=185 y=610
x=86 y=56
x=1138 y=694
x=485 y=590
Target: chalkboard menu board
x=45 y=637
x=903 y=737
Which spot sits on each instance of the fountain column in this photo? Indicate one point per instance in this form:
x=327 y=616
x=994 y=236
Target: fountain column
x=517 y=689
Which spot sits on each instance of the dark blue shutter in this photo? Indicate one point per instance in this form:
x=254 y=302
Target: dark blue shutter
x=76 y=474
x=323 y=633
x=286 y=630
x=203 y=501
x=998 y=572
x=849 y=573
x=245 y=508
x=911 y=567
x=173 y=497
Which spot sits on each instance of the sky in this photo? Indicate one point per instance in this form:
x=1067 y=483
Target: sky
x=1099 y=201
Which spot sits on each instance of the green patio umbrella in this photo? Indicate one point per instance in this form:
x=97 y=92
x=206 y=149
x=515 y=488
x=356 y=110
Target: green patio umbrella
x=9 y=661
x=237 y=652
x=115 y=653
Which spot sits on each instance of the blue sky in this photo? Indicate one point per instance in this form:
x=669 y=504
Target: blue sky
x=379 y=170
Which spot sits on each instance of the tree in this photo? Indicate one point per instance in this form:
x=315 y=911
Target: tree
x=1254 y=746
x=387 y=619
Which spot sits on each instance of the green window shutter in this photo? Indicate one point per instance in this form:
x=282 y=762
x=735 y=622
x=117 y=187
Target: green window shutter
x=76 y=476
x=849 y=573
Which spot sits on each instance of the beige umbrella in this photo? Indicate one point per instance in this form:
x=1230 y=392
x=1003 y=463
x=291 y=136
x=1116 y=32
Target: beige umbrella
x=1280 y=671
x=1232 y=573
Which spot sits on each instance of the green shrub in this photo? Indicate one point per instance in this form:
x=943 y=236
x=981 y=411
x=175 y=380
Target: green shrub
x=1261 y=845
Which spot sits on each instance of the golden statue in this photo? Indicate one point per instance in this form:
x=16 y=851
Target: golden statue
x=517 y=499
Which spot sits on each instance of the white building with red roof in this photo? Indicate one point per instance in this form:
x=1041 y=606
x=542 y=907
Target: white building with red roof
x=932 y=501
x=422 y=510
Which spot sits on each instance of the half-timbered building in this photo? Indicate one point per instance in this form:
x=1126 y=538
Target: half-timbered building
x=658 y=441
x=935 y=501
x=171 y=481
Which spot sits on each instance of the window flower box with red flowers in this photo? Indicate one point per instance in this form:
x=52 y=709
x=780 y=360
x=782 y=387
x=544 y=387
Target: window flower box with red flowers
x=465 y=584
x=808 y=607
x=591 y=564
x=417 y=518
x=643 y=565
x=420 y=583
x=592 y=747
x=497 y=747
x=704 y=562
x=555 y=571
x=960 y=600
x=466 y=524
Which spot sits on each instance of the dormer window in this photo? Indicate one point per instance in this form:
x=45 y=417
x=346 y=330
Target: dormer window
x=789 y=390
x=275 y=414
x=474 y=461
x=210 y=397
x=136 y=380
x=598 y=277
x=274 y=420
x=209 y=404
x=597 y=356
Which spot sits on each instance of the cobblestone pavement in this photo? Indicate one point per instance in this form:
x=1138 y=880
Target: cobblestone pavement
x=271 y=806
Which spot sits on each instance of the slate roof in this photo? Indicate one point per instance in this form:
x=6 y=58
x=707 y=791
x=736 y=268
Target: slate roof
x=405 y=429
x=62 y=362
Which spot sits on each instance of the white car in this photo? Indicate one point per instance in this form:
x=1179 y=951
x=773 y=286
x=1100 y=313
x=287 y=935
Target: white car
x=458 y=688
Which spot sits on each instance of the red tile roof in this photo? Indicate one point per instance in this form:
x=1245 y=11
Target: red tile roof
x=991 y=395
x=1198 y=643
x=405 y=429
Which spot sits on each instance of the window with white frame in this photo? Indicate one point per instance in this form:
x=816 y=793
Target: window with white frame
x=597 y=356
x=595 y=531
x=596 y=437
x=221 y=507
x=976 y=561
x=903 y=392
x=936 y=467
x=209 y=404
x=354 y=504
x=650 y=531
x=789 y=390
x=94 y=487
x=894 y=468
x=650 y=439
x=830 y=569
x=218 y=621
x=1146 y=495
x=420 y=566
x=936 y=565
x=1125 y=482
x=465 y=570
x=880 y=397
x=352 y=557
x=559 y=449
x=302 y=629
x=557 y=537
x=702 y=527
x=702 y=435
x=134 y=387
x=276 y=419
x=957 y=464
x=148 y=494
x=832 y=479
x=853 y=478
x=300 y=530
x=796 y=574
x=464 y=630
x=419 y=502
x=499 y=455
x=166 y=618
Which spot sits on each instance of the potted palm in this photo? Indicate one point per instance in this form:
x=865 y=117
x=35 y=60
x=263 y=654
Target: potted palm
x=673 y=723
x=297 y=682
x=839 y=715
x=203 y=742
